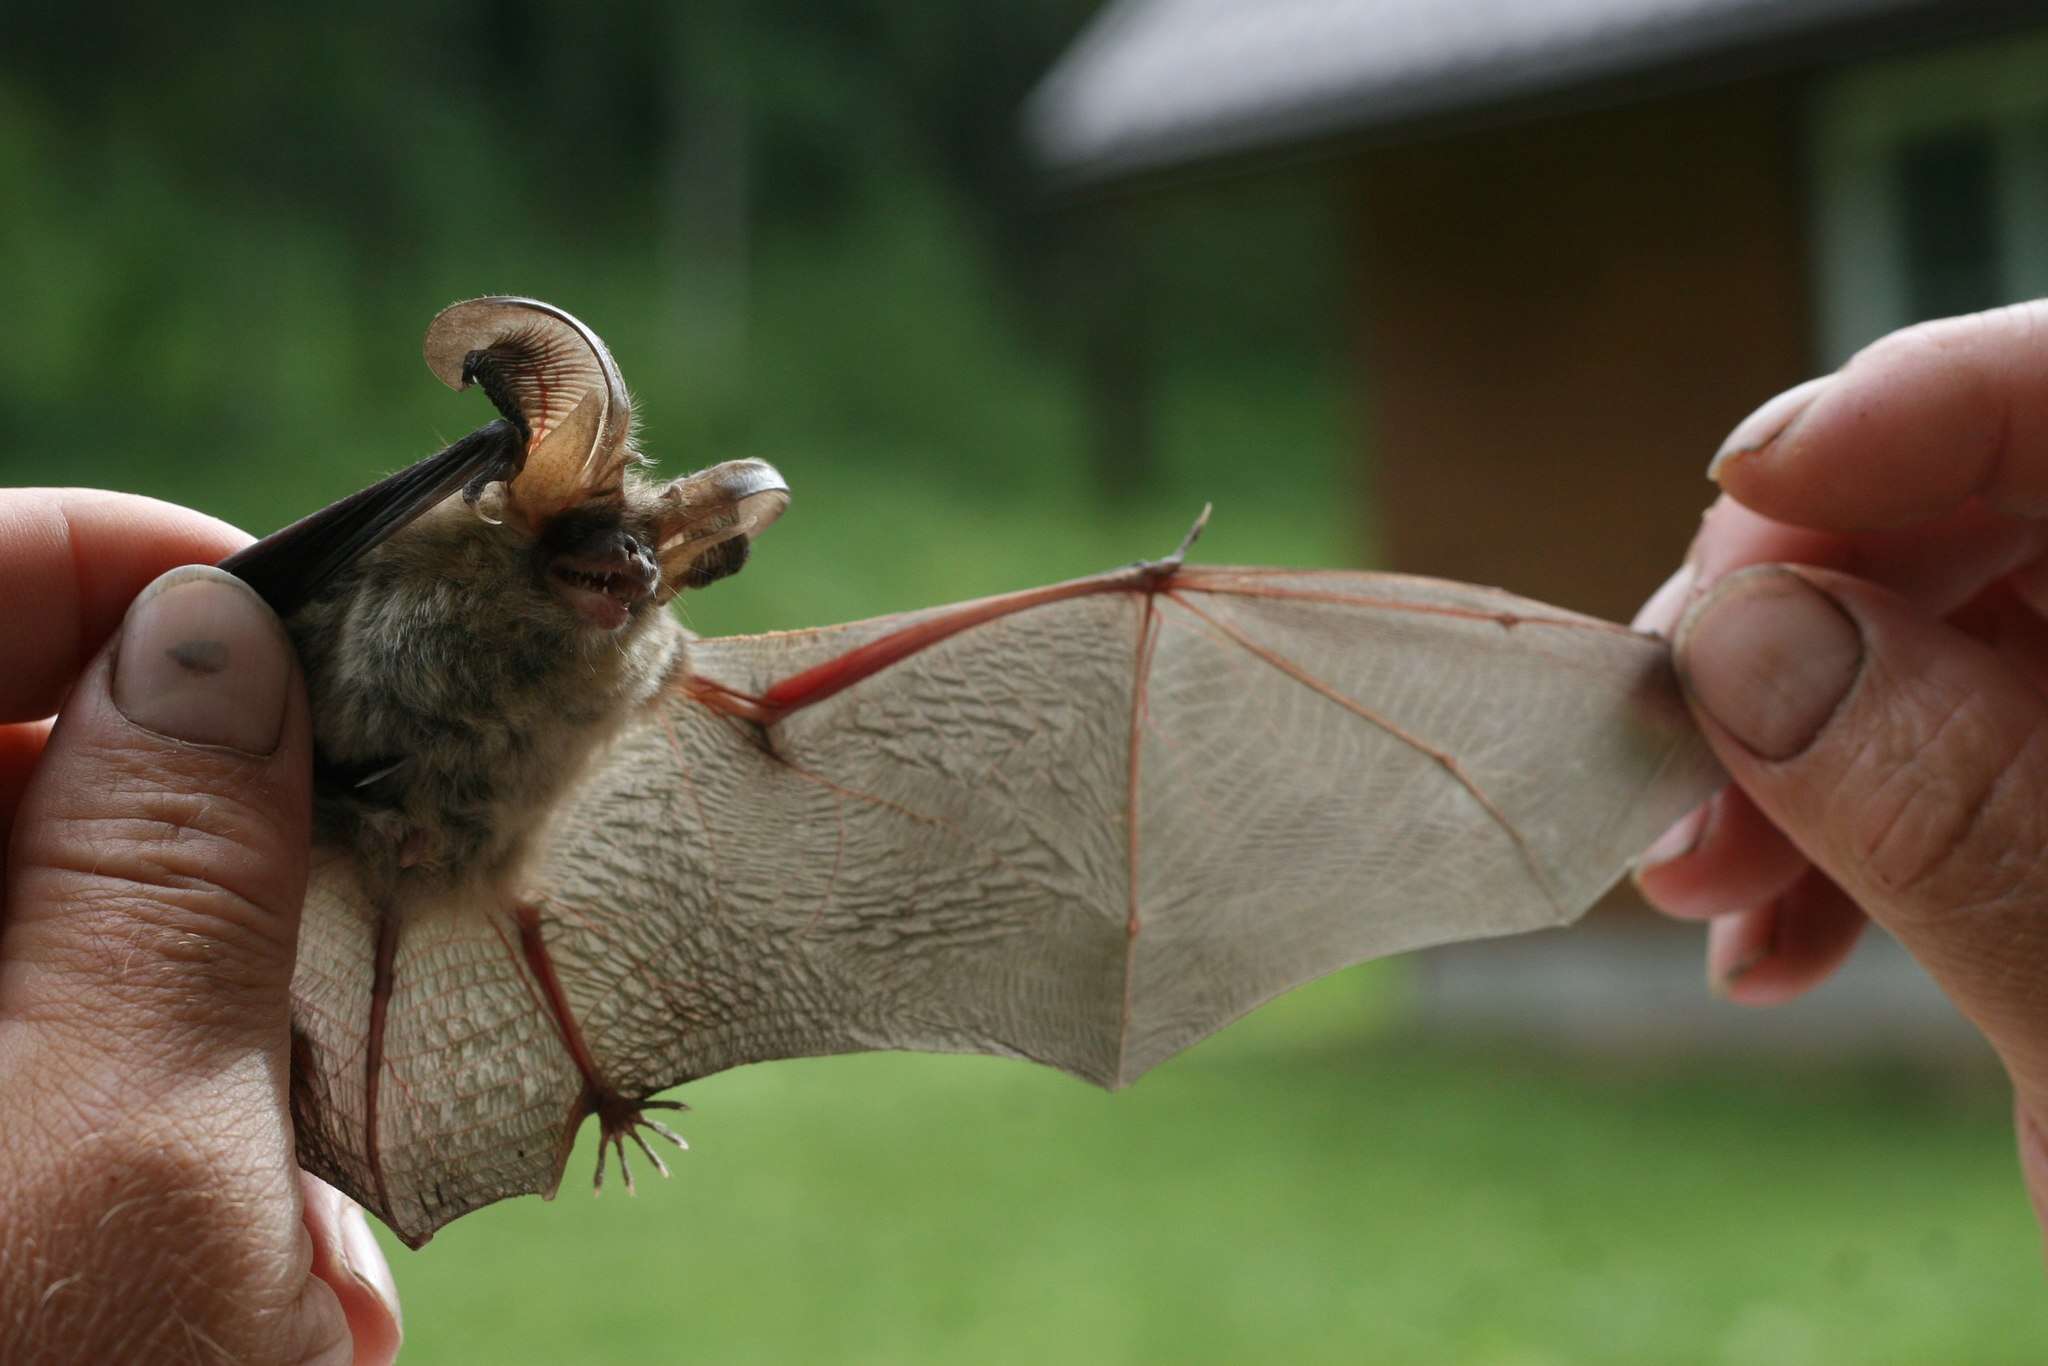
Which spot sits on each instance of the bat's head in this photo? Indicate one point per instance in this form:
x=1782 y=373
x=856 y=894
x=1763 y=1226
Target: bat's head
x=606 y=544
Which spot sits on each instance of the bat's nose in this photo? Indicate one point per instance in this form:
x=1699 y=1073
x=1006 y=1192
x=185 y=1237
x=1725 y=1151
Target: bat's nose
x=629 y=567
x=604 y=576
x=637 y=565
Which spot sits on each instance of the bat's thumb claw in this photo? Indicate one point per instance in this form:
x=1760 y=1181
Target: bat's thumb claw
x=1187 y=542
x=1160 y=570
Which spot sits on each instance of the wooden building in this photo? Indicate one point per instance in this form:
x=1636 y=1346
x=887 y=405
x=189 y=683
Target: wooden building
x=1590 y=236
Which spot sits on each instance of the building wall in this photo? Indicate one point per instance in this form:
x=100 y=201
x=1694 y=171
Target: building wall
x=1560 y=321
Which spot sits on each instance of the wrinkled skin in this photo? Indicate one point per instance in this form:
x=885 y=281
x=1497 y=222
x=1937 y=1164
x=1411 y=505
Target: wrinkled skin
x=1883 y=708
x=154 y=1209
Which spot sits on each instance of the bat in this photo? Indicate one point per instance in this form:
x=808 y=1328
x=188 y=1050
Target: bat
x=568 y=855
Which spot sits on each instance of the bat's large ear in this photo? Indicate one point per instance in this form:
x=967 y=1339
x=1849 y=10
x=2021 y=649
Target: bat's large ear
x=708 y=521
x=553 y=379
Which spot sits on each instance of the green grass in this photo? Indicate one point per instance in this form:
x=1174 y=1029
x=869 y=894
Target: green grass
x=1311 y=1186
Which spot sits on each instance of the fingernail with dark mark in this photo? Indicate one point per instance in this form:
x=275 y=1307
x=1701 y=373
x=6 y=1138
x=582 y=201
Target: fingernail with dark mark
x=1721 y=983
x=1766 y=425
x=202 y=659
x=1770 y=657
x=1738 y=945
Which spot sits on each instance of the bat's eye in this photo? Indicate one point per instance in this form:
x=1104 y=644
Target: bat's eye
x=603 y=577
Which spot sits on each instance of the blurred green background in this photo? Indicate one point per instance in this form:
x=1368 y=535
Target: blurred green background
x=809 y=234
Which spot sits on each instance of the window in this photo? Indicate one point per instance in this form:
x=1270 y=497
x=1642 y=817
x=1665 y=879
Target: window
x=1930 y=189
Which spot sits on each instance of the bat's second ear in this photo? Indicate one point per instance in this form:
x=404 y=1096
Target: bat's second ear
x=707 y=521
x=553 y=379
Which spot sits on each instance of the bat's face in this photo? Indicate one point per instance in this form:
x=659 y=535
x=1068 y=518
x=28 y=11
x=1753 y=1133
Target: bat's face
x=599 y=566
x=586 y=581
x=588 y=578
x=603 y=559
x=473 y=628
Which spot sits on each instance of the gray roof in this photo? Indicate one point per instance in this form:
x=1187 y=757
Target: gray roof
x=1156 y=83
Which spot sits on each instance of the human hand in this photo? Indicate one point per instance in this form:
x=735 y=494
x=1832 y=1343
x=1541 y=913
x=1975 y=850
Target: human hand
x=1883 y=711
x=155 y=860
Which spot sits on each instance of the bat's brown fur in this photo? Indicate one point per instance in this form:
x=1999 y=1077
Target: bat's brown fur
x=445 y=670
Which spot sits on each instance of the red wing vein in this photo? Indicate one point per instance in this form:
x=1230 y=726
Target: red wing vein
x=373 y=1066
x=860 y=662
x=808 y=686
x=1447 y=762
x=540 y=969
x=512 y=950
x=857 y=663
x=1228 y=585
x=1148 y=640
x=523 y=967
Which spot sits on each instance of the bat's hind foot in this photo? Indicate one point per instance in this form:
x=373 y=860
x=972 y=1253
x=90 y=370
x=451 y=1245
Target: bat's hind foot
x=621 y=1118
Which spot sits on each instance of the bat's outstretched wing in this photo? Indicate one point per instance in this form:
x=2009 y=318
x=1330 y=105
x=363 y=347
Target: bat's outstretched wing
x=1092 y=824
x=1087 y=825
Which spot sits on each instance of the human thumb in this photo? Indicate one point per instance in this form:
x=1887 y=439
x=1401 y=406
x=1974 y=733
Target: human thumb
x=160 y=852
x=1909 y=762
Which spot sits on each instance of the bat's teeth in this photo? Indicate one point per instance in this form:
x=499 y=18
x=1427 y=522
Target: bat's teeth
x=600 y=583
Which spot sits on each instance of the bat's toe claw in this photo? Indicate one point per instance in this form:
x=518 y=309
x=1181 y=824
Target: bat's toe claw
x=621 y=1118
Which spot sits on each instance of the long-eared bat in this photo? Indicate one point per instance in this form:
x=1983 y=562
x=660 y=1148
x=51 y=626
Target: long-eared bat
x=570 y=855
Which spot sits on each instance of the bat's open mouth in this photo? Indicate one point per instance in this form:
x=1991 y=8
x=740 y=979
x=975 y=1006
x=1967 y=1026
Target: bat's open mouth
x=603 y=588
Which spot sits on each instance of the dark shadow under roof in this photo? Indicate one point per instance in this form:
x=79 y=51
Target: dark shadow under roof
x=1154 y=84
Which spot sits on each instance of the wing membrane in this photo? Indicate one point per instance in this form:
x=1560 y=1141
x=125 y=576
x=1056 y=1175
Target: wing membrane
x=1093 y=829
x=1086 y=825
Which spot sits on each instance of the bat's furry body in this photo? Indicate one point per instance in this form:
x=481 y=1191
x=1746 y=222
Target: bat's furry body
x=570 y=856
x=456 y=696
